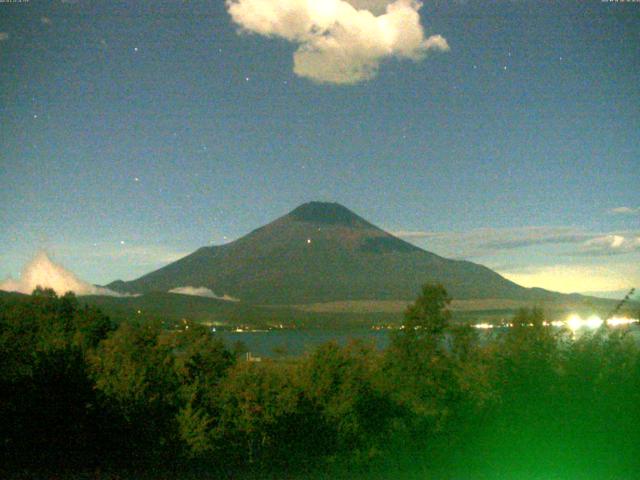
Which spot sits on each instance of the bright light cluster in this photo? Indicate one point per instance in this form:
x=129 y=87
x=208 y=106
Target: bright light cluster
x=555 y=323
x=618 y=321
x=483 y=326
x=575 y=322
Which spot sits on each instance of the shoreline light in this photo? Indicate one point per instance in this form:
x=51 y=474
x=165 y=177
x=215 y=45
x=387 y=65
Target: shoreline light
x=618 y=321
x=575 y=322
x=593 y=322
x=483 y=326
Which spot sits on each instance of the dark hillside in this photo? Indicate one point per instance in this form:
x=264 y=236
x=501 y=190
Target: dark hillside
x=322 y=252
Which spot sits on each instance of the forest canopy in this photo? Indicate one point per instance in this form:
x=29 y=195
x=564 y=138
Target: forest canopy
x=79 y=393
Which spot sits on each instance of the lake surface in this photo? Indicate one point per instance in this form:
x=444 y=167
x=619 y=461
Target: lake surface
x=273 y=343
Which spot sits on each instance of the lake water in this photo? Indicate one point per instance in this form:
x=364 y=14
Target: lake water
x=273 y=343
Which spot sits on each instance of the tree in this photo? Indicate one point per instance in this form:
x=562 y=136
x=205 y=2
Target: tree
x=342 y=385
x=139 y=392
x=254 y=399
x=47 y=401
x=418 y=367
x=528 y=354
x=428 y=317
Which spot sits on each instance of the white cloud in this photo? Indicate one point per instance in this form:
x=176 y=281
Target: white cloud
x=4 y=36
x=202 y=292
x=490 y=241
x=561 y=258
x=339 y=41
x=106 y=261
x=41 y=271
x=610 y=245
x=625 y=211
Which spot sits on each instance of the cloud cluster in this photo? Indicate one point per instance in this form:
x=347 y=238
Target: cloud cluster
x=202 y=292
x=564 y=259
x=339 y=41
x=487 y=241
x=539 y=236
x=625 y=211
x=42 y=272
x=610 y=245
x=4 y=36
x=494 y=241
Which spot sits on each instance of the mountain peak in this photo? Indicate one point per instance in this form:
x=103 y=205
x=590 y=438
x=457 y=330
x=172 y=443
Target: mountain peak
x=323 y=252
x=326 y=213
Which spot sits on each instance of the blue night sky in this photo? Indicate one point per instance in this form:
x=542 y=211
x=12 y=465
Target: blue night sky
x=506 y=133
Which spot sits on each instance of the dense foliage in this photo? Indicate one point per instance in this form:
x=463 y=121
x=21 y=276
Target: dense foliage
x=80 y=394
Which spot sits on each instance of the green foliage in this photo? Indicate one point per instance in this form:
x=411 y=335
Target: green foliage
x=418 y=364
x=428 y=316
x=528 y=354
x=47 y=403
x=254 y=399
x=343 y=385
x=133 y=367
x=195 y=431
x=76 y=393
x=161 y=386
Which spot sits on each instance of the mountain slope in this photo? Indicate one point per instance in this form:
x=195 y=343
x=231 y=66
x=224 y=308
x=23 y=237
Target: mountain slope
x=323 y=252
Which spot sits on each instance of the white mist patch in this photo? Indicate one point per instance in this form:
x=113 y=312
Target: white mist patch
x=202 y=292
x=42 y=272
